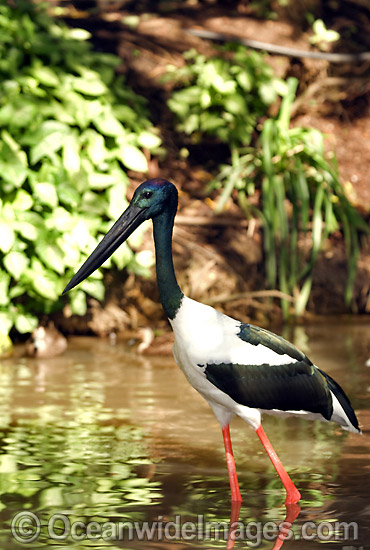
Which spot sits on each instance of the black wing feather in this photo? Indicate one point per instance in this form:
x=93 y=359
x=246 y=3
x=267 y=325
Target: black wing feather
x=295 y=386
x=292 y=387
x=342 y=398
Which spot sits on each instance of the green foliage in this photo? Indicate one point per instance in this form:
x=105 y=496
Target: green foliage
x=294 y=169
x=322 y=35
x=301 y=196
x=69 y=128
x=299 y=189
x=224 y=96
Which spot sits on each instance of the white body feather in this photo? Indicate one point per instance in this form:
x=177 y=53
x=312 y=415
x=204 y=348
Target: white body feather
x=203 y=335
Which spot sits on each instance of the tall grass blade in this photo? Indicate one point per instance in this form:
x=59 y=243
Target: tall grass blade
x=284 y=115
x=303 y=296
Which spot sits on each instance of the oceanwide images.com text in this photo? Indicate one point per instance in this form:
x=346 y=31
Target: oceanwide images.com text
x=27 y=527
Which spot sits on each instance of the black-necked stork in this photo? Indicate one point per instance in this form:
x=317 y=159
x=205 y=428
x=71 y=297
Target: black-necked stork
x=238 y=368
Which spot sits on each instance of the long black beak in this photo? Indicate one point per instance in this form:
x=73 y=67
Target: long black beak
x=121 y=230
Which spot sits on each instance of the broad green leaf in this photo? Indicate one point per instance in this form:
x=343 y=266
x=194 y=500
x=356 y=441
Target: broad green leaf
x=70 y=249
x=20 y=114
x=60 y=219
x=62 y=113
x=322 y=34
x=136 y=239
x=6 y=322
x=132 y=158
x=100 y=181
x=31 y=217
x=280 y=86
x=205 y=99
x=93 y=207
x=78 y=302
x=235 y=104
x=46 y=193
x=6 y=114
x=71 y=154
x=145 y=258
x=79 y=108
x=122 y=256
x=108 y=124
x=7 y=237
x=180 y=100
x=23 y=200
x=51 y=255
x=245 y=80
x=79 y=34
x=27 y=230
x=10 y=141
x=94 y=287
x=47 y=128
x=89 y=86
x=82 y=237
x=45 y=75
x=131 y=21
x=4 y=288
x=25 y=322
x=95 y=149
x=116 y=200
x=13 y=165
x=267 y=93
x=314 y=139
x=68 y=195
x=16 y=263
x=192 y=123
x=93 y=109
x=139 y=269
x=224 y=86
x=17 y=290
x=149 y=140
x=208 y=122
x=49 y=145
x=126 y=114
x=45 y=285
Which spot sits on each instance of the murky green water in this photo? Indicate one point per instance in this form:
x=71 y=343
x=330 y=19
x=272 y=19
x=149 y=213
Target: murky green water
x=113 y=440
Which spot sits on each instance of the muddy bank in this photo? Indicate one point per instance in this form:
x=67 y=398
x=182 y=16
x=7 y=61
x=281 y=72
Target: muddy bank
x=218 y=261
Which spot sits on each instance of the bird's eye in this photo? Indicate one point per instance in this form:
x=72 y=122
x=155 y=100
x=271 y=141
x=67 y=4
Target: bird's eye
x=148 y=194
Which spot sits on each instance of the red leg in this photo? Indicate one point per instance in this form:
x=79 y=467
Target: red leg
x=234 y=485
x=292 y=493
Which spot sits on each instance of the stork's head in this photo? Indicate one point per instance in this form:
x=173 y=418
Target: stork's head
x=154 y=196
x=151 y=198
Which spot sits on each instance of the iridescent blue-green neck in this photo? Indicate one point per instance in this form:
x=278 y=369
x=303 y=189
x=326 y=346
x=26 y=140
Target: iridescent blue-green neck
x=169 y=291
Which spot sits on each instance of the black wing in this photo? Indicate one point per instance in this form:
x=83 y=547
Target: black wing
x=295 y=386
x=342 y=398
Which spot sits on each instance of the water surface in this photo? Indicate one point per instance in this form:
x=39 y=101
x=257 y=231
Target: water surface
x=105 y=437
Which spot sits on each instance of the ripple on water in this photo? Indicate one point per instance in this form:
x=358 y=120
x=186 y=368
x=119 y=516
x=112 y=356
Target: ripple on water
x=100 y=434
